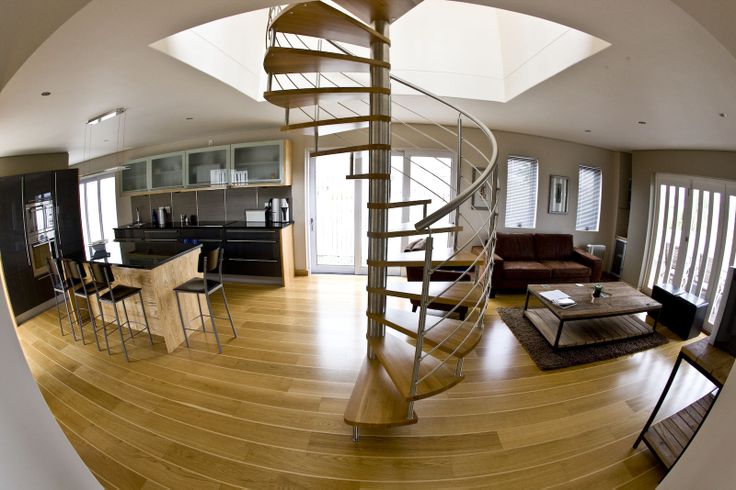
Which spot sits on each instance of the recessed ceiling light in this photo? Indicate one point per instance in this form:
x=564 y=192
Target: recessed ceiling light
x=45 y=94
x=723 y=114
x=587 y=131
x=642 y=122
x=189 y=118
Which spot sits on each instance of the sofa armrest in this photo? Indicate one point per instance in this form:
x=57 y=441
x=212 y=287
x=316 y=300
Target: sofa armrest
x=591 y=261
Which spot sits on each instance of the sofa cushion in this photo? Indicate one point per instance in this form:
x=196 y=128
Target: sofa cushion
x=567 y=270
x=515 y=246
x=526 y=269
x=549 y=246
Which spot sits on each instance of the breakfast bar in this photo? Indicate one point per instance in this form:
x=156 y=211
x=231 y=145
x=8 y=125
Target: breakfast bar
x=156 y=268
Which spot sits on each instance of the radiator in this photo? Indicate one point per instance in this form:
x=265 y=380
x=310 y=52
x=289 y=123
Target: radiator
x=597 y=250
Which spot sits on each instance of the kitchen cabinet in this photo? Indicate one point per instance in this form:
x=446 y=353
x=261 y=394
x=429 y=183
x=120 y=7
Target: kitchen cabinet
x=37 y=186
x=69 y=238
x=135 y=176
x=261 y=163
x=167 y=170
x=208 y=166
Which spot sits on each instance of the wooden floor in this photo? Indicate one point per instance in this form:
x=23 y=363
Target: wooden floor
x=269 y=411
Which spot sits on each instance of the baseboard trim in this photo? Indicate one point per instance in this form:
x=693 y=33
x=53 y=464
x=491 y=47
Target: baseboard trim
x=241 y=279
x=33 y=312
x=301 y=272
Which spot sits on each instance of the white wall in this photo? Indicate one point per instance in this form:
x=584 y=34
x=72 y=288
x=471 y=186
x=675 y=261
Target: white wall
x=645 y=164
x=34 y=452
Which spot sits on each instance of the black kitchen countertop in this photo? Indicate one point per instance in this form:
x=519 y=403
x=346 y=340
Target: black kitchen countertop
x=210 y=224
x=140 y=255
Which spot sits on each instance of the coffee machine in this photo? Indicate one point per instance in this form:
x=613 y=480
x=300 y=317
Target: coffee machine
x=277 y=210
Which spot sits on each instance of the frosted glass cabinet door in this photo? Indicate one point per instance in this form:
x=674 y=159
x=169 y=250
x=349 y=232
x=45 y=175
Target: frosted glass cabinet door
x=208 y=166
x=263 y=163
x=167 y=170
x=135 y=176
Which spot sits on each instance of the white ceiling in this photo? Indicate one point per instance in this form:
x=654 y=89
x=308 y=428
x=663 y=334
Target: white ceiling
x=664 y=67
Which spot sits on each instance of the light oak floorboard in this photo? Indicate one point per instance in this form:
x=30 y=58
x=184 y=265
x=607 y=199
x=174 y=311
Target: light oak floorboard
x=268 y=411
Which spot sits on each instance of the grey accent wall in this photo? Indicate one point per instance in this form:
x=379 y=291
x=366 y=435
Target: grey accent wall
x=645 y=164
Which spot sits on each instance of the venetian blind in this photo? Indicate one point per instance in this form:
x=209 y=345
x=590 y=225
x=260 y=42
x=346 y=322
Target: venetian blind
x=521 y=193
x=589 y=199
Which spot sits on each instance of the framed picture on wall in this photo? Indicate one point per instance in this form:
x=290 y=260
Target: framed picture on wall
x=558 y=185
x=480 y=199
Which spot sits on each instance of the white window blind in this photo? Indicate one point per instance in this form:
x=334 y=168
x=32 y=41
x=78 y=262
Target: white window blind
x=521 y=193
x=589 y=199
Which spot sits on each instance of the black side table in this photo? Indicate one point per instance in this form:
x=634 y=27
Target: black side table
x=683 y=313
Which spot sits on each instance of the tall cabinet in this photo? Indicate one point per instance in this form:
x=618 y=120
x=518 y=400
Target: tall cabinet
x=27 y=290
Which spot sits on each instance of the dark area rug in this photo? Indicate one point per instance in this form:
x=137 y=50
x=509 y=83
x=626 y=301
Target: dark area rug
x=546 y=358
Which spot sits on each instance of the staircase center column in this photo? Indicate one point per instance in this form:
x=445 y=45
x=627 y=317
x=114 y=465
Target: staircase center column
x=379 y=191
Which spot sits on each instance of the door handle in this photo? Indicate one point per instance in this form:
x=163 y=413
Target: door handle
x=311 y=224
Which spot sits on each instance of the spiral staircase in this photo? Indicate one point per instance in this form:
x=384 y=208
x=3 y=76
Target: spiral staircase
x=334 y=93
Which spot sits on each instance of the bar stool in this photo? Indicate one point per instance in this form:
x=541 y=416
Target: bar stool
x=82 y=290
x=61 y=286
x=116 y=293
x=211 y=261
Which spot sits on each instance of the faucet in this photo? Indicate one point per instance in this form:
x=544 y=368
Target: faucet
x=137 y=215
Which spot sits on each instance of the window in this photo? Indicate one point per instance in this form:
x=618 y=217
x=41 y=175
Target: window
x=589 y=199
x=99 y=208
x=521 y=193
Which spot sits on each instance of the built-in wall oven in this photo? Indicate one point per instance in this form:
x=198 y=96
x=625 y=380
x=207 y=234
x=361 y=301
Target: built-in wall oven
x=40 y=234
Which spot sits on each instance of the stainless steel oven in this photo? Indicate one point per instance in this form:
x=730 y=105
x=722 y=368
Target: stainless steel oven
x=40 y=234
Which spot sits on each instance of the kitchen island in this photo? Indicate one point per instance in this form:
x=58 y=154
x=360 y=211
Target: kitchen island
x=156 y=268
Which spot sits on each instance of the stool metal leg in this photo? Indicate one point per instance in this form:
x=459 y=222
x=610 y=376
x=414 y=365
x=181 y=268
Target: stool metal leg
x=120 y=331
x=127 y=319
x=104 y=325
x=212 y=319
x=227 y=308
x=201 y=316
x=92 y=322
x=145 y=317
x=77 y=315
x=181 y=317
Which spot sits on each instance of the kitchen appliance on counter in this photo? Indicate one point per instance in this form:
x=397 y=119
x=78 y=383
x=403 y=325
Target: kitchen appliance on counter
x=277 y=210
x=164 y=216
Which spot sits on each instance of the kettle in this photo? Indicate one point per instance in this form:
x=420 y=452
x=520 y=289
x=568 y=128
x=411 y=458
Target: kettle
x=164 y=216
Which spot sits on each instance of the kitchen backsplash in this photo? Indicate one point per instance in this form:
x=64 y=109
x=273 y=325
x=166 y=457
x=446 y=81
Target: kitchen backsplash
x=209 y=205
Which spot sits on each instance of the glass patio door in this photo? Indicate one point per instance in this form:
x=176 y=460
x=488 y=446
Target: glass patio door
x=692 y=240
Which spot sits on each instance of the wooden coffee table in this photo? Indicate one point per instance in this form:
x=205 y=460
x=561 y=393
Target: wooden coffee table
x=610 y=317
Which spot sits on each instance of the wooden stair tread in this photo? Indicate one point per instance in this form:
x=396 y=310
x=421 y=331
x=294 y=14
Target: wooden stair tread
x=439 y=256
x=669 y=438
x=448 y=334
x=335 y=125
x=408 y=229
x=370 y=10
x=317 y=19
x=400 y=204
x=397 y=358
x=375 y=400
x=369 y=176
x=350 y=149
x=453 y=296
x=292 y=60
x=304 y=97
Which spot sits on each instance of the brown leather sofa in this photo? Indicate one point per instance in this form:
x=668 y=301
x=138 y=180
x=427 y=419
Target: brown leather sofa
x=521 y=259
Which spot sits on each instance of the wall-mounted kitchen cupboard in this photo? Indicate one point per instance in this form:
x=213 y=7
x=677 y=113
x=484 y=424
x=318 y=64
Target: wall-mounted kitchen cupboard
x=206 y=167
x=262 y=163
x=135 y=176
x=256 y=164
x=167 y=170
